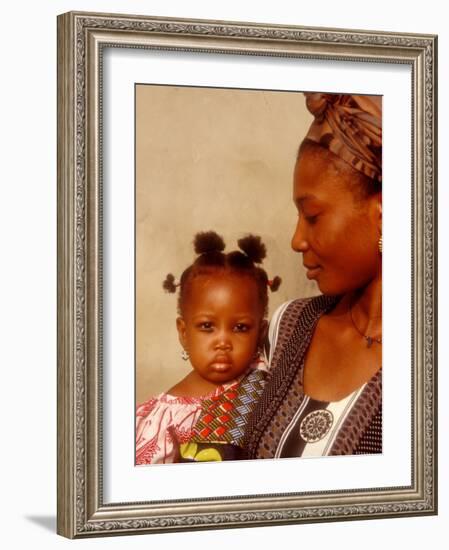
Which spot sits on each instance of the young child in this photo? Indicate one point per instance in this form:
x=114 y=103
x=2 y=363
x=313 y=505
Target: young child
x=222 y=306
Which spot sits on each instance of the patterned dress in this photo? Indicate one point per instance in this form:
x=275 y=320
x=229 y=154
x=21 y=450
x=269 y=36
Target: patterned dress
x=179 y=429
x=161 y=422
x=288 y=423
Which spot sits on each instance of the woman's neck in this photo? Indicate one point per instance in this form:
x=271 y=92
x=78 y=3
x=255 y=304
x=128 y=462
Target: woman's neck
x=369 y=301
x=364 y=307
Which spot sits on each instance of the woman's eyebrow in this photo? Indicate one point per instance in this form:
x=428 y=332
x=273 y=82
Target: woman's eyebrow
x=303 y=198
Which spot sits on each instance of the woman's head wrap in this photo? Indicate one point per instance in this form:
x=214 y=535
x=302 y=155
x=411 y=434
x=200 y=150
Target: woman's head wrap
x=351 y=127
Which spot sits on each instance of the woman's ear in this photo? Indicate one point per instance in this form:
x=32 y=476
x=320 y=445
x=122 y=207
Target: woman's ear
x=379 y=210
x=375 y=211
x=182 y=336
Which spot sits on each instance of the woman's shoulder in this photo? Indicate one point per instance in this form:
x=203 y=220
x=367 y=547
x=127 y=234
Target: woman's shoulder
x=319 y=302
x=290 y=311
x=301 y=312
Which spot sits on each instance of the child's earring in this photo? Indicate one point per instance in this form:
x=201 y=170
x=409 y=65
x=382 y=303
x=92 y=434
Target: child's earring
x=185 y=355
x=380 y=244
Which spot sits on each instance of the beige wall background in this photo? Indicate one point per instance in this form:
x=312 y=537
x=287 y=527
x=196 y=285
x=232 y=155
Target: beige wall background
x=208 y=158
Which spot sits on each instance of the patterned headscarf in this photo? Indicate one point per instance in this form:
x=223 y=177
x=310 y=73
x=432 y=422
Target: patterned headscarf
x=351 y=127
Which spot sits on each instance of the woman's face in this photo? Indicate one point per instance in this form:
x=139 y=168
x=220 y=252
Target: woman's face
x=338 y=229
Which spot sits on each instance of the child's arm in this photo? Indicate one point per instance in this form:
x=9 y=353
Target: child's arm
x=159 y=422
x=153 y=440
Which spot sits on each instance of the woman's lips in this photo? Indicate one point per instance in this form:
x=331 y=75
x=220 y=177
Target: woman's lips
x=312 y=271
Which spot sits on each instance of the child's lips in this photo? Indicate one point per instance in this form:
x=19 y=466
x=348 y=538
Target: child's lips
x=221 y=363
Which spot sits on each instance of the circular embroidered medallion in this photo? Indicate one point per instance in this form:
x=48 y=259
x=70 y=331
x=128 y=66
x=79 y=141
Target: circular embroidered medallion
x=316 y=425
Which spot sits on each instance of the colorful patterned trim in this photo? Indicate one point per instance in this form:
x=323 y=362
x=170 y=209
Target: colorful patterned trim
x=224 y=417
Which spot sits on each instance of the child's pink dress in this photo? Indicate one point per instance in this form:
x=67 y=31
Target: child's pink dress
x=164 y=421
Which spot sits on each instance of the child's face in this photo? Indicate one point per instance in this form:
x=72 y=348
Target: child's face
x=221 y=326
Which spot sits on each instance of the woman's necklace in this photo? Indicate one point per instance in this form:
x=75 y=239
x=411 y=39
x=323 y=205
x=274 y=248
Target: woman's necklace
x=370 y=340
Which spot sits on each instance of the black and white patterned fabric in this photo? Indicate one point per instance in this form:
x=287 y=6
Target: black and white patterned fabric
x=286 y=422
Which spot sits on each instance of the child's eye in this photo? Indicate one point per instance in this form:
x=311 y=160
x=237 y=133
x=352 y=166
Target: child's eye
x=206 y=325
x=241 y=327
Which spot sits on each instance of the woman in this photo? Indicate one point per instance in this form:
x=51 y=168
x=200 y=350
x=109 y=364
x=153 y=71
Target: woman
x=324 y=394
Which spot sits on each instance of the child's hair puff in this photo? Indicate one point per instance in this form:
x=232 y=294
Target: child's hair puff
x=212 y=260
x=169 y=284
x=253 y=247
x=275 y=283
x=208 y=242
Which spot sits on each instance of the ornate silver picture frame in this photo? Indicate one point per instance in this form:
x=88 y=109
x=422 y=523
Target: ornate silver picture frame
x=83 y=403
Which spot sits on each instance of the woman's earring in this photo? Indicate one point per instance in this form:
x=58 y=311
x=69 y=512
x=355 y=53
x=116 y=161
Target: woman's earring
x=380 y=244
x=185 y=355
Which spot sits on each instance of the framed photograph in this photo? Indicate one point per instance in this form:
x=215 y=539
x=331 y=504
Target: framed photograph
x=174 y=134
